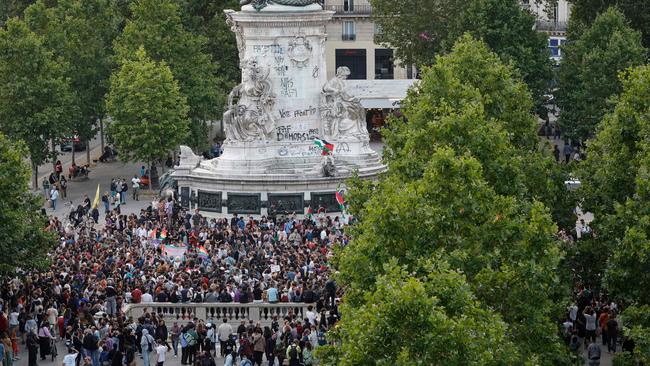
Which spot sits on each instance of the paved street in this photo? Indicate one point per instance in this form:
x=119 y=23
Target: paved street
x=171 y=360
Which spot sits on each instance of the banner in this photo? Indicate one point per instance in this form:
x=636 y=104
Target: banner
x=173 y=251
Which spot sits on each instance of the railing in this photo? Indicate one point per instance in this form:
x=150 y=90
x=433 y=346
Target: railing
x=350 y=10
x=549 y=25
x=348 y=37
x=216 y=312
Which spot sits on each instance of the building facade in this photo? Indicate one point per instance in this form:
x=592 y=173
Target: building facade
x=350 y=42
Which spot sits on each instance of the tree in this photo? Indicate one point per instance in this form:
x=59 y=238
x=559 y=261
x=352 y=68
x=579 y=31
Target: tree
x=25 y=243
x=616 y=187
x=35 y=97
x=585 y=12
x=149 y=112
x=502 y=136
x=457 y=187
x=589 y=71
x=81 y=32
x=440 y=323
x=156 y=26
x=206 y=18
x=424 y=29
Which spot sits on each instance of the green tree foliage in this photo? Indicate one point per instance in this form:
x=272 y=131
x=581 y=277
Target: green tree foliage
x=156 y=25
x=437 y=321
x=81 y=32
x=457 y=186
x=424 y=29
x=616 y=186
x=583 y=12
x=495 y=125
x=35 y=97
x=609 y=174
x=206 y=18
x=589 y=72
x=149 y=112
x=24 y=243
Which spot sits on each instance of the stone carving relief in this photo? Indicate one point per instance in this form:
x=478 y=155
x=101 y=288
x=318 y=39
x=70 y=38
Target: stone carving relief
x=261 y=4
x=244 y=203
x=250 y=104
x=343 y=114
x=236 y=28
x=299 y=51
x=188 y=160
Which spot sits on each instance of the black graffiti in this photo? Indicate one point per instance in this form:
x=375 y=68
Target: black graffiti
x=343 y=147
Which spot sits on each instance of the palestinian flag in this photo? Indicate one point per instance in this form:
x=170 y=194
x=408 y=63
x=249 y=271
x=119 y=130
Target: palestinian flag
x=310 y=212
x=326 y=147
x=153 y=233
x=163 y=234
x=339 y=199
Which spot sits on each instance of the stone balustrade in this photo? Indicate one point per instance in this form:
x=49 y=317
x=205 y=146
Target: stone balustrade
x=216 y=312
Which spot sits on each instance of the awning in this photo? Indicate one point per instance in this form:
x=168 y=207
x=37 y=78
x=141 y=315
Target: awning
x=380 y=103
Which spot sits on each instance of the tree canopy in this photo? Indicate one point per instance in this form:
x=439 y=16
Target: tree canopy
x=584 y=12
x=425 y=29
x=457 y=188
x=157 y=26
x=24 y=243
x=148 y=110
x=36 y=100
x=616 y=186
x=80 y=32
x=588 y=75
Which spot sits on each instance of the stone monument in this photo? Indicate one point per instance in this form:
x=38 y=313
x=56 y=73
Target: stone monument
x=270 y=164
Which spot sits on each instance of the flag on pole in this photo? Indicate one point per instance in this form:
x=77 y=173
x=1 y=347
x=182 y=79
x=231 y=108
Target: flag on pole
x=326 y=147
x=96 y=200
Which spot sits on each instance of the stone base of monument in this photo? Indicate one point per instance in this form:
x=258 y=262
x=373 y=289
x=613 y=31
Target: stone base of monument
x=259 y=185
x=270 y=164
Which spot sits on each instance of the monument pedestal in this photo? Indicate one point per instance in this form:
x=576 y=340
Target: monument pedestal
x=270 y=164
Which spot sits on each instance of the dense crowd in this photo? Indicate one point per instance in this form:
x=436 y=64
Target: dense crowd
x=168 y=254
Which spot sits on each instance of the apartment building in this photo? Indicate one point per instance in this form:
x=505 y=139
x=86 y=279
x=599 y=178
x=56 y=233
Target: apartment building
x=350 y=38
x=350 y=42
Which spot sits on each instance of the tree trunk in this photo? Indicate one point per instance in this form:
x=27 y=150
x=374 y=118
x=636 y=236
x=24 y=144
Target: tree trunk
x=150 y=175
x=34 y=175
x=101 y=134
x=88 y=152
x=53 y=155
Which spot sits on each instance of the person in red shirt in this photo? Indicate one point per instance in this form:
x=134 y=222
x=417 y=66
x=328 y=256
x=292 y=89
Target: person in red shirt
x=4 y=322
x=136 y=295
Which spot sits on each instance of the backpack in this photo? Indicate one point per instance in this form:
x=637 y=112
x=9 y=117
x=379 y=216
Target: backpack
x=183 y=340
x=293 y=353
x=321 y=338
x=150 y=348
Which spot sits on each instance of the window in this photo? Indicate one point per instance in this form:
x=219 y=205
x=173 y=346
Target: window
x=355 y=60
x=348 y=31
x=348 y=5
x=384 y=63
x=555 y=44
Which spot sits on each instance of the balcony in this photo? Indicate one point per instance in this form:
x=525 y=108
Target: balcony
x=234 y=313
x=551 y=26
x=347 y=11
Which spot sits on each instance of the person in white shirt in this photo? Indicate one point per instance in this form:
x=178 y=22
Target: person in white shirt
x=146 y=297
x=71 y=358
x=224 y=331
x=161 y=350
x=136 y=186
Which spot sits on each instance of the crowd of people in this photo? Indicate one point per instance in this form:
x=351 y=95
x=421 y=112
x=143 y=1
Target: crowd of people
x=96 y=269
x=590 y=317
